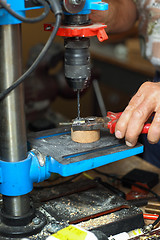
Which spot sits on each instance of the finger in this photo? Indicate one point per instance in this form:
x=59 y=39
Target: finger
x=94 y=16
x=123 y=121
x=150 y=104
x=136 y=123
x=154 y=130
x=98 y=16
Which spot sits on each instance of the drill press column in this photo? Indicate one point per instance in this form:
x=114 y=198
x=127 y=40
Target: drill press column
x=13 y=144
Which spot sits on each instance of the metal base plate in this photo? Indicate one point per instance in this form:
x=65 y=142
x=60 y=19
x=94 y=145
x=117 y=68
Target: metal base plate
x=17 y=232
x=70 y=158
x=95 y=209
x=91 y=204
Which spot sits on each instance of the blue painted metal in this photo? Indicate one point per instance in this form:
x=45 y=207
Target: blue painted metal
x=16 y=5
x=57 y=134
x=15 y=177
x=101 y=6
x=19 y=7
x=39 y=173
x=78 y=167
x=92 y=5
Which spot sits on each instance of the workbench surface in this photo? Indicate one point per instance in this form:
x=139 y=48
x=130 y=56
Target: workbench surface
x=125 y=165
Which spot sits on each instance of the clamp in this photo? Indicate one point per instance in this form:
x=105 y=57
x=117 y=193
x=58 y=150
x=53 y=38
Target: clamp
x=108 y=122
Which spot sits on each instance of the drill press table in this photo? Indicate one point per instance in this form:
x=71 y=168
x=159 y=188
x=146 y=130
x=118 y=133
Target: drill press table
x=69 y=158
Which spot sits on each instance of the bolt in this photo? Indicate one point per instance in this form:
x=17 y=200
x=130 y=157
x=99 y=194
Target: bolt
x=39 y=156
x=148 y=228
x=53 y=228
x=75 y=2
x=48 y=28
x=36 y=221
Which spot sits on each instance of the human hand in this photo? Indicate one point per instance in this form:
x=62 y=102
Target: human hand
x=145 y=102
x=120 y=16
x=98 y=16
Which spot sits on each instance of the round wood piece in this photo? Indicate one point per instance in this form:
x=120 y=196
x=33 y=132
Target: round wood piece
x=85 y=136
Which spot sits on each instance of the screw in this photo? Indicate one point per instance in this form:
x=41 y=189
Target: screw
x=53 y=228
x=76 y=2
x=40 y=157
x=148 y=228
x=36 y=221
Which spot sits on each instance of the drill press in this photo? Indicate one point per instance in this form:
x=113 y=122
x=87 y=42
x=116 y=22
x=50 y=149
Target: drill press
x=51 y=151
x=77 y=57
x=77 y=65
x=76 y=30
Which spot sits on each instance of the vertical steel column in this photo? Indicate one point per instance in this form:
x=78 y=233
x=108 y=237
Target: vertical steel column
x=13 y=144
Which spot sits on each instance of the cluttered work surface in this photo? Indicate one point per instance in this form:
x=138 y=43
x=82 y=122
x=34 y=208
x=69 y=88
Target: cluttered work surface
x=145 y=201
x=88 y=201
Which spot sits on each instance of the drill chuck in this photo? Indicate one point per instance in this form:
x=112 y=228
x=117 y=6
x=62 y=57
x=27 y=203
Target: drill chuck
x=77 y=62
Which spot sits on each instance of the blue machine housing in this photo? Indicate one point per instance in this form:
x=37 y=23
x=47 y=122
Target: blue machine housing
x=60 y=155
x=19 y=6
x=17 y=178
x=93 y=5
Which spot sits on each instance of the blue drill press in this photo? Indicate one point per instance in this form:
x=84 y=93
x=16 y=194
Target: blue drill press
x=19 y=167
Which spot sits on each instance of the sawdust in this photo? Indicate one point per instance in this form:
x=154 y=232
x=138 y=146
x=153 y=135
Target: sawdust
x=97 y=222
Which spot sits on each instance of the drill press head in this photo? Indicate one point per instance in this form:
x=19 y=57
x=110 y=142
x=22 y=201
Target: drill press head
x=77 y=62
x=77 y=56
x=77 y=29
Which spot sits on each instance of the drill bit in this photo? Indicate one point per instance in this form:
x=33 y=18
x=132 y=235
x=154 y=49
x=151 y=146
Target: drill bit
x=78 y=104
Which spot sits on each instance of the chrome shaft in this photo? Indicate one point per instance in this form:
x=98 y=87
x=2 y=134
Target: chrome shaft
x=13 y=144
